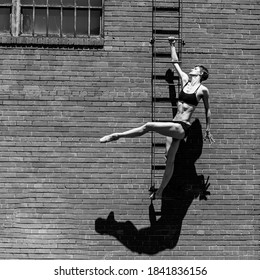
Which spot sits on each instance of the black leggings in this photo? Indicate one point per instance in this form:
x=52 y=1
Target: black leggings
x=184 y=125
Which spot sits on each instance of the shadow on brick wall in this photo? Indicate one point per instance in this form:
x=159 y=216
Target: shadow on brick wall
x=165 y=228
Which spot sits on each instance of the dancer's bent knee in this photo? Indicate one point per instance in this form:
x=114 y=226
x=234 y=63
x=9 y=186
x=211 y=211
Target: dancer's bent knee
x=147 y=127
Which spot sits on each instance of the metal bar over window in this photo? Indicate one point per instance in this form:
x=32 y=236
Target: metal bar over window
x=62 y=18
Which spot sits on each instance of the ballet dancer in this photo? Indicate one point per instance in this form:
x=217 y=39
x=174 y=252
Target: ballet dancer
x=192 y=92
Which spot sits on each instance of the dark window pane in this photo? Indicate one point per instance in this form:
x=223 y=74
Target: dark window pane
x=83 y=3
x=40 y=2
x=68 y=2
x=26 y=2
x=82 y=22
x=6 y=2
x=54 y=2
x=95 y=17
x=40 y=21
x=54 y=21
x=27 y=20
x=97 y=3
x=68 y=21
x=5 y=19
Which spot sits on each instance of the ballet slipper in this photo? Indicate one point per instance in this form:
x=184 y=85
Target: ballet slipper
x=152 y=196
x=155 y=195
x=109 y=138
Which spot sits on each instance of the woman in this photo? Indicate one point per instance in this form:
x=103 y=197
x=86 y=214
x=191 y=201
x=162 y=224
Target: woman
x=192 y=92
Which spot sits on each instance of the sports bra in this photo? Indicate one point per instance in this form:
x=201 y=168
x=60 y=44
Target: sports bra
x=189 y=98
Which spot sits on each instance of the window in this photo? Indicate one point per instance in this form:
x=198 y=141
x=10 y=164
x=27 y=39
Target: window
x=52 y=19
x=5 y=16
x=61 y=17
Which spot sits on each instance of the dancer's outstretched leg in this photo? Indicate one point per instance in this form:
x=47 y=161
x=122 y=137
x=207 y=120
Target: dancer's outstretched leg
x=164 y=128
x=135 y=132
x=109 y=138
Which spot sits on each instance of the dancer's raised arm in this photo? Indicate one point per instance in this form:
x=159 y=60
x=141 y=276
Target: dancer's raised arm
x=175 y=60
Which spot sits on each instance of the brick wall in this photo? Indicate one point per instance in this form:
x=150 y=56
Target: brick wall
x=224 y=36
x=57 y=181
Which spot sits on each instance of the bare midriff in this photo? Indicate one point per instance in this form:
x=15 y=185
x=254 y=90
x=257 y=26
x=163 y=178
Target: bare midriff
x=184 y=112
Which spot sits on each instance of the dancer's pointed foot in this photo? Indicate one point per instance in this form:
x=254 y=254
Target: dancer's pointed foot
x=152 y=196
x=152 y=191
x=109 y=138
x=155 y=195
x=171 y=40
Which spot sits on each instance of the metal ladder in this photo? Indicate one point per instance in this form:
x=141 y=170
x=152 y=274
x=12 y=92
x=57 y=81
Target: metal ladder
x=166 y=21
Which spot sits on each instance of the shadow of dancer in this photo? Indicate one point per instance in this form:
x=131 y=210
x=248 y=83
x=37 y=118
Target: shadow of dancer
x=184 y=186
x=169 y=77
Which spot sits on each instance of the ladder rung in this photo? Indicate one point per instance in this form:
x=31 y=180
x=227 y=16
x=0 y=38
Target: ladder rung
x=160 y=155
x=161 y=99
x=161 y=54
x=167 y=107
x=160 y=83
x=166 y=9
x=159 y=145
x=159 y=105
x=161 y=39
x=164 y=62
x=166 y=31
x=158 y=167
x=157 y=177
x=162 y=77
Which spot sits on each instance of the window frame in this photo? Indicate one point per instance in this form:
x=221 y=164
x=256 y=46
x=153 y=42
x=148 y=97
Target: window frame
x=18 y=37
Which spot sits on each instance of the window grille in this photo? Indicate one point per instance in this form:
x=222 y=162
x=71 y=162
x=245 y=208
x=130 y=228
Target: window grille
x=52 y=18
x=63 y=18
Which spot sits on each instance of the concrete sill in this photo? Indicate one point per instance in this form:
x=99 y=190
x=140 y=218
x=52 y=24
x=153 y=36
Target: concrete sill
x=89 y=42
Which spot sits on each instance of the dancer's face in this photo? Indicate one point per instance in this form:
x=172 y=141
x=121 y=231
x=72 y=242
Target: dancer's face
x=196 y=71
